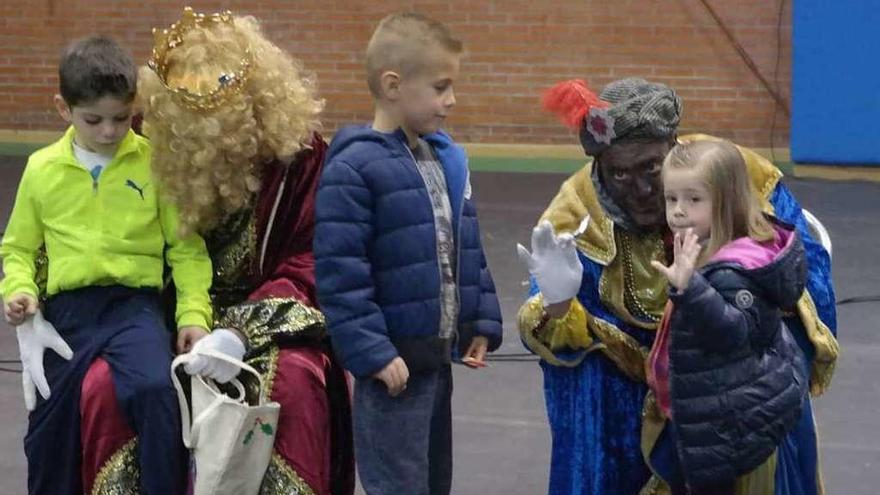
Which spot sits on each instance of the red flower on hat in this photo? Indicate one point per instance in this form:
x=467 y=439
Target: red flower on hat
x=600 y=125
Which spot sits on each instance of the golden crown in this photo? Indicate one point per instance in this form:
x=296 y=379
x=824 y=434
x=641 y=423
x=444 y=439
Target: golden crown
x=228 y=84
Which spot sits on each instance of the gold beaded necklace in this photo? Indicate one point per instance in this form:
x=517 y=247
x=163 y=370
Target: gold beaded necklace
x=633 y=305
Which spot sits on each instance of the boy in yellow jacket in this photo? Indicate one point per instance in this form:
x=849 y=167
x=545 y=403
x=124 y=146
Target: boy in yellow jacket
x=90 y=201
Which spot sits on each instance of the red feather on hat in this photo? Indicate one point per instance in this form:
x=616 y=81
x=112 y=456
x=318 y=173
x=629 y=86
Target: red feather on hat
x=571 y=101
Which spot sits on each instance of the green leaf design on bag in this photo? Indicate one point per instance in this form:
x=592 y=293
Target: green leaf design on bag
x=247 y=438
x=267 y=429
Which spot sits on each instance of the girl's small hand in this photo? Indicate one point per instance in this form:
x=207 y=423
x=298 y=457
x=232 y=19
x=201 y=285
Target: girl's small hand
x=686 y=248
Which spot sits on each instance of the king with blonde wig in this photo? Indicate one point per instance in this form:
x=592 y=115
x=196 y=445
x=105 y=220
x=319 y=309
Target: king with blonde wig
x=220 y=101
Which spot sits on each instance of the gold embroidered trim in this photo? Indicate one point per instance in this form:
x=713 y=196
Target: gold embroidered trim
x=655 y=486
x=281 y=479
x=530 y=316
x=119 y=475
x=41 y=273
x=233 y=251
x=576 y=199
x=573 y=323
x=264 y=319
x=266 y=364
x=653 y=423
x=826 y=346
x=271 y=370
x=622 y=349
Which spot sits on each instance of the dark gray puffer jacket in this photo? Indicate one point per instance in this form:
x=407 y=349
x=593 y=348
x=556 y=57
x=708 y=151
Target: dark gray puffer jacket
x=736 y=373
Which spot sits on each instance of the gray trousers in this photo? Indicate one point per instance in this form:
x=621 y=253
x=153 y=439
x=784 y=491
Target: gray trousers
x=403 y=444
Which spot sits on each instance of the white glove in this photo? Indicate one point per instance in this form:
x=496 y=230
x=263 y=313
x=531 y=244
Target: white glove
x=554 y=262
x=35 y=335
x=221 y=340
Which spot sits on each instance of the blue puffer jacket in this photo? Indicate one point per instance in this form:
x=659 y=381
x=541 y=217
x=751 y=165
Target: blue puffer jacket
x=736 y=373
x=376 y=263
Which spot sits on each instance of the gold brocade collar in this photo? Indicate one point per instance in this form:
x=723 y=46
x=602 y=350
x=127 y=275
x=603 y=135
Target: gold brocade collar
x=575 y=200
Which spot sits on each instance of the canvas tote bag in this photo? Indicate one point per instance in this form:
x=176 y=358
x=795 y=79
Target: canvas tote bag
x=229 y=438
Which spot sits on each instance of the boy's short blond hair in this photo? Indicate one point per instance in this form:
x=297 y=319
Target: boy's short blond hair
x=399 y=44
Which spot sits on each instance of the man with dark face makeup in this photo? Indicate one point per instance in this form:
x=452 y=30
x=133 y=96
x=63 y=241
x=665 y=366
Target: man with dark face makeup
x=630 y=173
x=593 y=289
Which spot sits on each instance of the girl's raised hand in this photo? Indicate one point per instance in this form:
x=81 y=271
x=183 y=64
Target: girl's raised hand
x=686 y=249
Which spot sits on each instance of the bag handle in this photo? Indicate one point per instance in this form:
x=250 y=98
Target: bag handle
x=190 y=428
x=243 y=367
x=181 y=398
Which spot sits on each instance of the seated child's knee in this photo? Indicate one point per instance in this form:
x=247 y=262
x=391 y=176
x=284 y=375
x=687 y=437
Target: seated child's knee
x=152 y=387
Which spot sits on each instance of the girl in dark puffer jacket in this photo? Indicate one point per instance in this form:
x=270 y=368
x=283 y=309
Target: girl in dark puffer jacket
x=724 y=369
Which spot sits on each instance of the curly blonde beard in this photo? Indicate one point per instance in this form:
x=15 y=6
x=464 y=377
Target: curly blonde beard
x=209 y=163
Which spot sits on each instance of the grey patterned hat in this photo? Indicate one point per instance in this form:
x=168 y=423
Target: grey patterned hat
x=631 y=108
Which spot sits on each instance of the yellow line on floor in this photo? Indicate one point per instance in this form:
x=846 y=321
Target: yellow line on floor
x=28 y=137
x=837 y=172
x=572 y=151
x=566 y=151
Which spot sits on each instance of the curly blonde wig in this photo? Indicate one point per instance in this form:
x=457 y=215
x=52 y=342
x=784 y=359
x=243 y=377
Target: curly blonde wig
x=208 y=163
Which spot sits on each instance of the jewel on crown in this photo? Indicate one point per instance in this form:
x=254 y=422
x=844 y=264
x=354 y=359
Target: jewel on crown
x=165 y=40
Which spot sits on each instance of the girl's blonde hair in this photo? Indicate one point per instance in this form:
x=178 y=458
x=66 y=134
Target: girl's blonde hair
x=208 y=162
x=736 y=211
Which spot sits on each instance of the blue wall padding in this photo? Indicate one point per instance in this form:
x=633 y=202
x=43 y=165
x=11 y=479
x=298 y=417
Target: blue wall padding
x=836 y=82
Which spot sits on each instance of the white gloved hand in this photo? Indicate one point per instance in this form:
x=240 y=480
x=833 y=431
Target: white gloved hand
x=221 y=340
x=36 y=335
x=554 y=262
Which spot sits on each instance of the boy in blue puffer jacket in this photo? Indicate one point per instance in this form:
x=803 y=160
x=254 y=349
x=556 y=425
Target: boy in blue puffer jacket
x=400 y=270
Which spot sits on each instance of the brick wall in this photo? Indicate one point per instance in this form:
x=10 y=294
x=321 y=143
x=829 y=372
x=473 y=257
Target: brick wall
x=516 y=48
